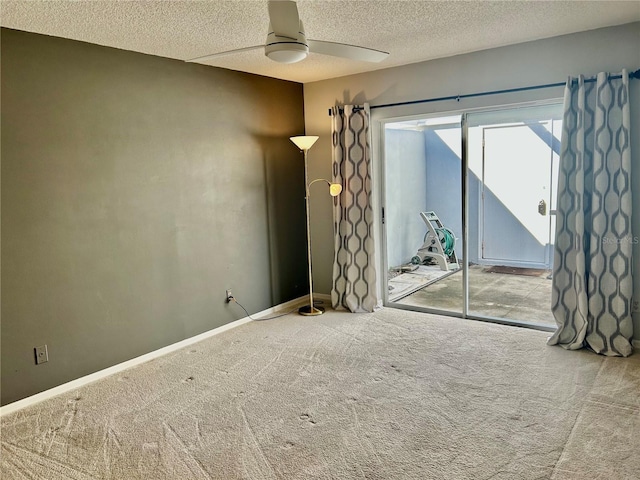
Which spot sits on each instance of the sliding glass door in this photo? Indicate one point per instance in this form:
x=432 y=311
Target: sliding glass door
x=512 y=163
x=468 y=213
x=423 y=214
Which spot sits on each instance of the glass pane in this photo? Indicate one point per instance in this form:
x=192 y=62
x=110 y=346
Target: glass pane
x=512 y=170
x=423 y=217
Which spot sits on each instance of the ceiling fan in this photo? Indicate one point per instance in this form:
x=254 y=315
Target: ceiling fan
x=287 y=42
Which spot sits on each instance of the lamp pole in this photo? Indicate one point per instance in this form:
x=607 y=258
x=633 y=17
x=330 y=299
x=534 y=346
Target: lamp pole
x=311 y=310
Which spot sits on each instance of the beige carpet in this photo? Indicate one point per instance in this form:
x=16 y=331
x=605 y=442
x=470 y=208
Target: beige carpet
x=390 y=395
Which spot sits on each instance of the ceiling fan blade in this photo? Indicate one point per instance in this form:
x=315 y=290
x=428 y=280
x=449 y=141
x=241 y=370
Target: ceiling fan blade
x=223 y=54
x=351 y=52
x=284 y=17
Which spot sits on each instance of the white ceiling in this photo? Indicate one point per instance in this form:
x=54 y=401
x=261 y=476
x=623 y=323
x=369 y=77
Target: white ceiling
x=411 y=31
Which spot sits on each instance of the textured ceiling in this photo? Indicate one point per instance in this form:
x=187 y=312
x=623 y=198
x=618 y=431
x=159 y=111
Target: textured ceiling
x=412 y=31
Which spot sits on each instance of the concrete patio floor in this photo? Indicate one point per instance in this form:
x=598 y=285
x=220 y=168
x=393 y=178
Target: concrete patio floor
x=509 y=296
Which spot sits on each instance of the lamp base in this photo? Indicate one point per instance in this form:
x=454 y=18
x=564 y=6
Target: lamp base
x=309 y=311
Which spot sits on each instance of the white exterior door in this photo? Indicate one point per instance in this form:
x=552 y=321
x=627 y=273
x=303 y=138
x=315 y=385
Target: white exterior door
x=516 y=194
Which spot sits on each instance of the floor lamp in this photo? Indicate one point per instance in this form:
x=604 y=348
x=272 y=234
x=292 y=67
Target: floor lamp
x=304 y=143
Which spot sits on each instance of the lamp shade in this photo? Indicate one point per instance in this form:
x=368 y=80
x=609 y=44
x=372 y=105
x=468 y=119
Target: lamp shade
x=304 y=142
x=335 y=189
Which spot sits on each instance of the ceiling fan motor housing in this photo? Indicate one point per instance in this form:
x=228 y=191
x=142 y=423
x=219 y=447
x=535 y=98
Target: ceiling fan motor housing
x=285 y=49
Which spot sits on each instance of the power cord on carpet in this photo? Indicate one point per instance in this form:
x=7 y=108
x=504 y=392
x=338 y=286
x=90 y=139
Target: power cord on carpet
x=233 y=299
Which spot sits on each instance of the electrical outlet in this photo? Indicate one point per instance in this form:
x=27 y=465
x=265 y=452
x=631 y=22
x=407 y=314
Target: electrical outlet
x=636 y=306
x=229 y=296
x=42 y=355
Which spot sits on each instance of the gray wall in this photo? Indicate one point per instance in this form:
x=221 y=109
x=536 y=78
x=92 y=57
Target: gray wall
x=135 y=190
x=532 y=63
x=406 y=196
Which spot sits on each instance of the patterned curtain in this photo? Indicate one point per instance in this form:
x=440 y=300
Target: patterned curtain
x=354 y=274
x=592 y=282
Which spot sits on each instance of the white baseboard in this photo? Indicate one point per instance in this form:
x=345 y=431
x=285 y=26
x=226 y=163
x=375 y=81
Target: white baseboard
x=79 y=382
x=322 y=296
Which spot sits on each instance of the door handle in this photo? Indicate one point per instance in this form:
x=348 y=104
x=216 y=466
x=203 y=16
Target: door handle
x=542 y=207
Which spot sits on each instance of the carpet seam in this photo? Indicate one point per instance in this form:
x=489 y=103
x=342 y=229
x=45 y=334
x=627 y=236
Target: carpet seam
x=575 y=423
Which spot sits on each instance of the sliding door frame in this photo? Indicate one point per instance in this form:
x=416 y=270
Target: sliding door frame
x=379 y=122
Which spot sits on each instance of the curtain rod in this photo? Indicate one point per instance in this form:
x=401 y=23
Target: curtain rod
x=635 y=74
